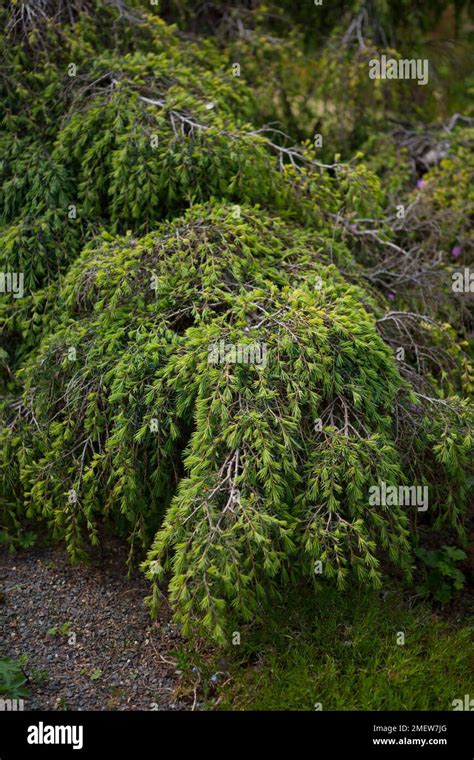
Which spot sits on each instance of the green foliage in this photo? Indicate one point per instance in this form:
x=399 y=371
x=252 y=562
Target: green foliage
x=442 y=578
x=136 y=136
x=40 y=677
x=156 y=217
x=61 y=630
x=341 y=650
x=450 y=186
x=18 y=540
x=316 y=59
x=13 y=678
x=241 y=488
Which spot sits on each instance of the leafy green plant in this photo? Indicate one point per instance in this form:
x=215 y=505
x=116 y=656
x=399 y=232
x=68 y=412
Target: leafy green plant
x=13 y=678
x=219 y=470
x=94 y=675
x=40 y=677
x=62 y=630
x=443 y=580
x=154 y=216
x=19 y=540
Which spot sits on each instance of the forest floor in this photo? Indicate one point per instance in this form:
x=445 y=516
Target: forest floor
x=87 y=636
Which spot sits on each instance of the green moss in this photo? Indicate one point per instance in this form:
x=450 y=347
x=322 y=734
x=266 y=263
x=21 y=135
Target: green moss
x=342 y=651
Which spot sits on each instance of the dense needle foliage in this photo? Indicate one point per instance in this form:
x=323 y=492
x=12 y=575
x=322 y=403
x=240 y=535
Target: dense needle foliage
x=159 y=222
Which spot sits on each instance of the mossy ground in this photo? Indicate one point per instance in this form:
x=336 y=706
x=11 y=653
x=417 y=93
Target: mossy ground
x=341 y=650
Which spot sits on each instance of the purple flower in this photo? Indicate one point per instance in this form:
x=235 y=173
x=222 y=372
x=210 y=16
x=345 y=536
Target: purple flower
x=456 y=251
x=391 y=296
x=421 y=183
x=353 y=227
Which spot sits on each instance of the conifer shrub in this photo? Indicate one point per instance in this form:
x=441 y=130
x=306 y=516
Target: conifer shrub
x=206 y=360
x=132 y=135
x=238 y=475
x=316 y=58
x=126 y=161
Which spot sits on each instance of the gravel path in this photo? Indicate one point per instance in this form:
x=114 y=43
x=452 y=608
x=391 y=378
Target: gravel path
x=89 y=639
